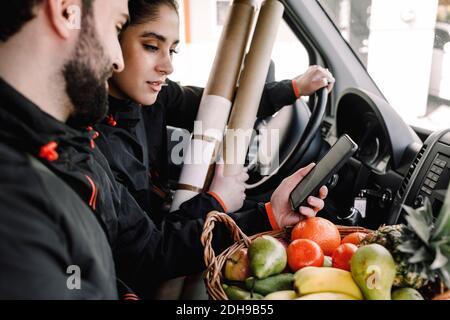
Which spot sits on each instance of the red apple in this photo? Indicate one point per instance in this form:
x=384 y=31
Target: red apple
x=237 y=266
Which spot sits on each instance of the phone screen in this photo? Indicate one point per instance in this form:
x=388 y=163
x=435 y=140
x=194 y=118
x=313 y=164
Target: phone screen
x=341 y=151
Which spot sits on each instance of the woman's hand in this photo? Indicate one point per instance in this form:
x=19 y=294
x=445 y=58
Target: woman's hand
x=282 y=212
x=231 y=190
x=313 y=79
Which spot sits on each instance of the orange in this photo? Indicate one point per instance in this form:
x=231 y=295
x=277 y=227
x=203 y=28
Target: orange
x=342 y=255
x=304 y=253
x=320 y=230
x=354 y=238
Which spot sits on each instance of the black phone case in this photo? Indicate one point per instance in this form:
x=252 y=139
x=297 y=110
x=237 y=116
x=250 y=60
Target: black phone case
x=303 y=190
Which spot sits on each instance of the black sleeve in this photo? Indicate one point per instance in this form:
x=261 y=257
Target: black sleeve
x=275 y=96
x=146 y=255
x=32 y=250
x=182 y=102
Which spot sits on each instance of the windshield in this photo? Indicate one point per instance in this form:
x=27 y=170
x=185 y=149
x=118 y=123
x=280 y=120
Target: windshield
x=405 y=47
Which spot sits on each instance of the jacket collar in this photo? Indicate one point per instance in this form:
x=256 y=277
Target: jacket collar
x=123 y=113
x=25 y=125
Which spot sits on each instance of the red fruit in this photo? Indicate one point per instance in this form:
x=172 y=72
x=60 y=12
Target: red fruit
x=237 y=267
x=354 y=238
x=321 y=231
x=342 y=255
x=304 y=253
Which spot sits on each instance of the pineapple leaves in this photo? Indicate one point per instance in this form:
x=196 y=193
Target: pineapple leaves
x=418 y=220
x=440 y=260
x=420 y=256
x=409 y=246
x=442 y=226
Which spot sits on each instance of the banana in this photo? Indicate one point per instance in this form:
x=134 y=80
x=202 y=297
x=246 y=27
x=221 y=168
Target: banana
x=281 y=295
x=324 y=279
x=327 y=296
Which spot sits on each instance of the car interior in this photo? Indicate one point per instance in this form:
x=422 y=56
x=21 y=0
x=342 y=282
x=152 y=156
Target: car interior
x=396 y=164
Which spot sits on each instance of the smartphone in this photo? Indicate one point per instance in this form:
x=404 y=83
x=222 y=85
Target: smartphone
x=333 y=160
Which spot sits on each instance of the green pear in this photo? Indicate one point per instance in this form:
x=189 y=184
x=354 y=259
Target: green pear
x=373 y=270
x=406 y=294
x=267 y=257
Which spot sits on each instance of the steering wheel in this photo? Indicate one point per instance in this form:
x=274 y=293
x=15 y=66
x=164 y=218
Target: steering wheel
x=297 y=152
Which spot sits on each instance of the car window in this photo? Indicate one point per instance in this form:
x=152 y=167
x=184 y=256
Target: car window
x=403 y=45
x=201 y=27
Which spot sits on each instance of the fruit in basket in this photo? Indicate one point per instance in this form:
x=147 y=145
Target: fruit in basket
x=421 y=249
x=406 y=294
x=236 y=293
x=267 y=257
x=281 y=295
x=342 y=255
x=279 y=282
x=354 y=237
x=373 y=269
x=327 y=296
x=321 y=231
x=237 y=266
x=304 y=253
x=323 y=279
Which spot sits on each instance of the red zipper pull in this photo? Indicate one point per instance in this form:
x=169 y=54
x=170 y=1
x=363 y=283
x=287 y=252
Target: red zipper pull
x=48 y=151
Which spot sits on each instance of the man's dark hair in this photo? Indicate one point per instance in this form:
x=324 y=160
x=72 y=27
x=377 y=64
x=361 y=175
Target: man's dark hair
x=14 y=14
x=142 y=11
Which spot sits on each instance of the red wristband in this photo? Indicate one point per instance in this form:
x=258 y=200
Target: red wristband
x=296 y=89
x=219 y=200
x=273 y=222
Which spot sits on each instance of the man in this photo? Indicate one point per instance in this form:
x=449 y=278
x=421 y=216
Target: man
x=67 y=228
x=48 y=70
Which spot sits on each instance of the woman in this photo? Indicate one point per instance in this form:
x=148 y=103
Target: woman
x=133 y=137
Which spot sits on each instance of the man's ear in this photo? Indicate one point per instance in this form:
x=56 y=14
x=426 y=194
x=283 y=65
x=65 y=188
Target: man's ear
x=64 y=15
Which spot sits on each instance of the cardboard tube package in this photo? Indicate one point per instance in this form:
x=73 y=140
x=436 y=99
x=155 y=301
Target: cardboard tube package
x=216 y=102
x=251 y=86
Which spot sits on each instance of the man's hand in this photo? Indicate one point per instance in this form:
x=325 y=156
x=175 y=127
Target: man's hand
x=313 y=79
x=282 y=212
x=231 y=190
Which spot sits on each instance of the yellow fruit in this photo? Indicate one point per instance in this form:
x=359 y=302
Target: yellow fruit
x=281 y=295
x=327 y=296
x=325 y=279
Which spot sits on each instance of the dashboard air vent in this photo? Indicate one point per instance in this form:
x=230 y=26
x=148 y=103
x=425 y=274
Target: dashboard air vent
x=401 y=191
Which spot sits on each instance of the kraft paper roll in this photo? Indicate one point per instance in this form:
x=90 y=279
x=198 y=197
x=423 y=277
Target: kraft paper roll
x=216 y=102
x=251 y=86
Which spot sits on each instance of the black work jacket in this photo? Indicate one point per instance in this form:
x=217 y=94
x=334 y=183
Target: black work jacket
x=42 y=231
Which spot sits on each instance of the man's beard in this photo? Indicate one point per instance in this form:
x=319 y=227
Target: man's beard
x=86 y=74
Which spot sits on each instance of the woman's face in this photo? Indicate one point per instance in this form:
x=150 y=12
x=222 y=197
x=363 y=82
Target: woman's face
x=147 y=49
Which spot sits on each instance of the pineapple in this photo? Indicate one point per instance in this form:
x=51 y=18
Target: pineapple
x=421 y=249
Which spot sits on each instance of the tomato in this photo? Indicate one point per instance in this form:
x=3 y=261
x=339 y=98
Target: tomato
x=342 y=255
x=304 y=253
x=354 y=238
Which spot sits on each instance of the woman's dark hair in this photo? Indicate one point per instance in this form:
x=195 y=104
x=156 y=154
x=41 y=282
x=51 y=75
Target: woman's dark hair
x=142 y=11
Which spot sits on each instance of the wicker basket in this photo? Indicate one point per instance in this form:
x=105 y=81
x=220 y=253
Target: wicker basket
x=213 y=275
